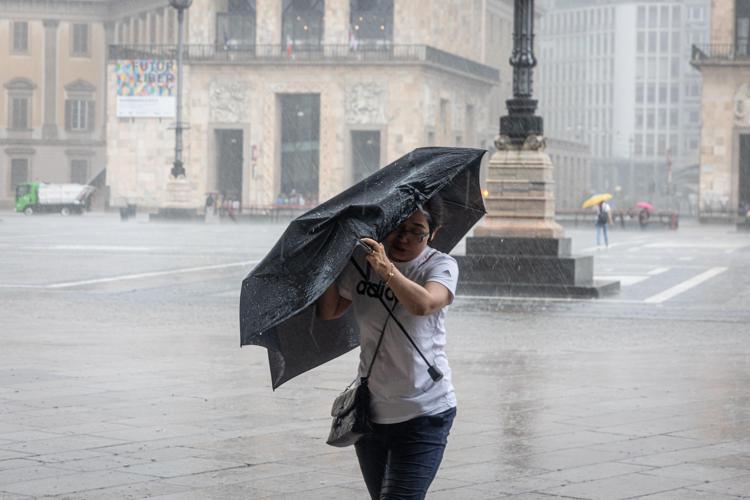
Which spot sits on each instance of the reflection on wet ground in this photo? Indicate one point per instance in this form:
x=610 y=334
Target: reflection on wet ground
x=129 y=382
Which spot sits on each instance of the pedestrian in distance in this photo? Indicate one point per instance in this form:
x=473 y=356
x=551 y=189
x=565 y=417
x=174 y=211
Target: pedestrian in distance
x=643 y=217
x=603 y=219
x=411 y=406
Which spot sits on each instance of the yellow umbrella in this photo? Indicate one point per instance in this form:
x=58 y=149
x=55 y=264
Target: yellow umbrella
x=596 y=199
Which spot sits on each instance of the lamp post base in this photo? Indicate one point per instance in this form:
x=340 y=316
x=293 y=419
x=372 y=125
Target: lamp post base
x=519 y=249
x=179 y=204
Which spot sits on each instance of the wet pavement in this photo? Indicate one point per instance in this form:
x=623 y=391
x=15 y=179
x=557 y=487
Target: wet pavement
x=121 y=374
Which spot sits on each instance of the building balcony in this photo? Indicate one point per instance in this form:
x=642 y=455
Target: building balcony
x=720 y=54
x=376 y=54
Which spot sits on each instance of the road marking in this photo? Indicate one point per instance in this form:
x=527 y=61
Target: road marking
x=696 y=246
x=124 y=277
x=637 y=241
x=685 y=286
x=658 y=270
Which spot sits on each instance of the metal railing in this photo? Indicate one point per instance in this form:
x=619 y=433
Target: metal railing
x=720 y=52
x=281 y=54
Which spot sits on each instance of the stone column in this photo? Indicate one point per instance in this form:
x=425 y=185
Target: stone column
x=49 y=128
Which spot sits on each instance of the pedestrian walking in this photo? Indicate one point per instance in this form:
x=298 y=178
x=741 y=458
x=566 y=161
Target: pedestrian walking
x=412 y=406
x=643 y=217
x=603 y=219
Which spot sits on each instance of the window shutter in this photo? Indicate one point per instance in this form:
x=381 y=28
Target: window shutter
x=68 y=114
x=90 y=105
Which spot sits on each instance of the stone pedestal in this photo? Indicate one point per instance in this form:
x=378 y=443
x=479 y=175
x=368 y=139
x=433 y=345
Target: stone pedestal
x=179 y=204
x=531 y=267
x=521 y=198
x=519 y=249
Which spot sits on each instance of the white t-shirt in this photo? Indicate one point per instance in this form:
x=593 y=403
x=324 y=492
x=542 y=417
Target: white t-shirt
x=400 y=386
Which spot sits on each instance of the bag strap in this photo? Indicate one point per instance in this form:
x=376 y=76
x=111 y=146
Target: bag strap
x=434 y=372
x=380 y=341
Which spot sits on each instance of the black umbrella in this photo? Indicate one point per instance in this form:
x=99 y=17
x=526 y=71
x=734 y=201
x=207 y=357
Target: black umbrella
x=277 y=305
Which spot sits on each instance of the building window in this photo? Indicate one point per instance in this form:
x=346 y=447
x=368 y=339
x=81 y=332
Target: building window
x=371 y=22
x=20 y=93
x=641 y=16
x=236 y=27
x=365 y=153
x=80 y=40
x=302 y=22
x=20 y=37
x=742 y=26
x=79 y=171
x=19 y=172
x=79 y=115
x=19 y=113
x=444 y=116
x=79 y=106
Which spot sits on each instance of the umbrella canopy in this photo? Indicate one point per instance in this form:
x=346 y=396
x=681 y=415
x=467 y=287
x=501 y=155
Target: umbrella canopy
x=596 y=199
x=645 y=205
x=277 y=309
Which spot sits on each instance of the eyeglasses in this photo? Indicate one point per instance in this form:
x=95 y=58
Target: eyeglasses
x=413 y=236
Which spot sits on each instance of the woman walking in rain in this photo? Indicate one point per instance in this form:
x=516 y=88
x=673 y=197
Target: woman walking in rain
x=603 y=219
x=412 y=409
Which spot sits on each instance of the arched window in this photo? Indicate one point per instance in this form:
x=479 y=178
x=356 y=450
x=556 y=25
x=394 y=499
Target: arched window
x=370 y=23
x=302 y=23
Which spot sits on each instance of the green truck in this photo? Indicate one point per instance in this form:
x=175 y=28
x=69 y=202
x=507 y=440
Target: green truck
x=37 y=197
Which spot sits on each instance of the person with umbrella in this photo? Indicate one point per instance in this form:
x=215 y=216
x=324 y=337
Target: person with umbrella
x=603 y=215
x=412 y=400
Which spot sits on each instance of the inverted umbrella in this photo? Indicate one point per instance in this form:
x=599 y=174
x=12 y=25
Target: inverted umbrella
x=596 y=199
x=277 y=303
x=645 y=205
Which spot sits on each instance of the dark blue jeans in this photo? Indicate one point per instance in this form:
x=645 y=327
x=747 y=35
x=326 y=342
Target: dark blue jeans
x=399 y=461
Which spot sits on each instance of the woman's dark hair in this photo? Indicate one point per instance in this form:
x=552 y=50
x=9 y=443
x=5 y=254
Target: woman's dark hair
x=433 y=210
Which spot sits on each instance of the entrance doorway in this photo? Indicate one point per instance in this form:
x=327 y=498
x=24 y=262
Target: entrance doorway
x=229 y=164
x=300 y=148
x=365 y=153
x=743 y=181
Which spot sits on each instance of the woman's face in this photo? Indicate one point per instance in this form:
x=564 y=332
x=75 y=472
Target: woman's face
x=409 y=239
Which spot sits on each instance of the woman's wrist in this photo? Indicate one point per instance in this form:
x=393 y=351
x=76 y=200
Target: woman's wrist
x=390 y=273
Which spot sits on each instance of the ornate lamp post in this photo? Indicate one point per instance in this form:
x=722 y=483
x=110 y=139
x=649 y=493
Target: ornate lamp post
x=519 y=249
x=177 y=169
x=521 y=121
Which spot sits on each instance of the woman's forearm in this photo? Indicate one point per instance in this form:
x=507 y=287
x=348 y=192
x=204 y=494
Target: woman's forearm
x=415 y=298
x=331 y=305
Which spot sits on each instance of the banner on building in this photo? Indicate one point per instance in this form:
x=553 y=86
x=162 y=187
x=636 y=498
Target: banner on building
x=146 y=88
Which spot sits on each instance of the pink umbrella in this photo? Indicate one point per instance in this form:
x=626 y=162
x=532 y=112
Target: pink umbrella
x=645 y=205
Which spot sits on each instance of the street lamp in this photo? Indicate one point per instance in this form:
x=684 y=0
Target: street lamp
x=177 y=169
x=521 y=122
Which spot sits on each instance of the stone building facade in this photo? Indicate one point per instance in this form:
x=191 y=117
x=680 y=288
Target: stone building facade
x=306 y=97
x=724 y=63
x=52 y=112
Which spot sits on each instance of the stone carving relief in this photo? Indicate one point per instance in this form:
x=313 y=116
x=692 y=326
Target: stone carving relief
x=365 y=104
x=742 y=105
x=229 y=102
